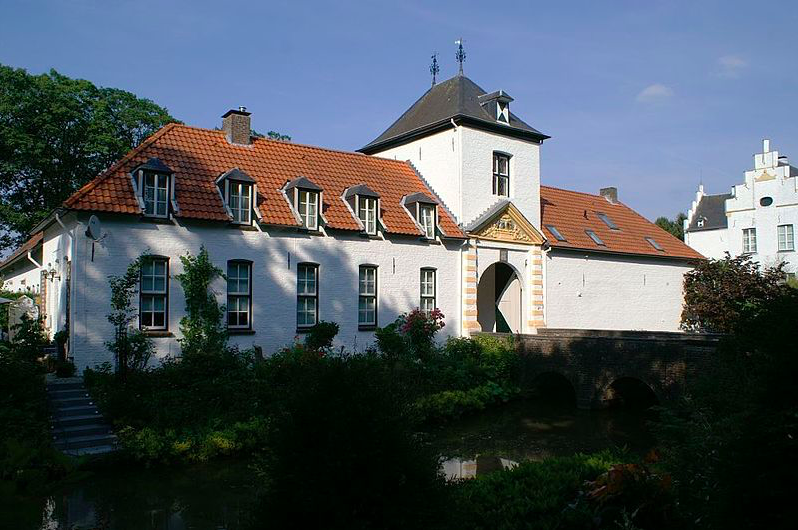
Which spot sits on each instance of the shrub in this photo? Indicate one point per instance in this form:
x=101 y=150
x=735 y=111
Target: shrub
x=320 y=337
x=451 y=404
x=203 y=326
x=412 y=333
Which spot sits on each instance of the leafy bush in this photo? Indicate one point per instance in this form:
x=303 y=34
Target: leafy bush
x=720 y=294
x=203 y=328
x=451 y=404
x=412 y=333
x=343 y=453
x=532 y=495
x=320 y=337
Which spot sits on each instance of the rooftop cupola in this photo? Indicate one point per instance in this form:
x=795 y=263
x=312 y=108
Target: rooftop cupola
x=237 y=126
x=497 y=104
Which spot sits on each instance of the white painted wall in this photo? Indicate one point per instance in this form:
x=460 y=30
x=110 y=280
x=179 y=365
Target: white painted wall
x=594 y=291
x=710 y=243
x=274 y=285
x=22 y=275
x=458 y=166
x=57 y=251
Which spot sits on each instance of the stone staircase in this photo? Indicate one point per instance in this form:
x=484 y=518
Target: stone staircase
x=77 y=426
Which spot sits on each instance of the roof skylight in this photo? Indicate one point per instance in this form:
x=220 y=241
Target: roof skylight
x=596 y=239
x=556 y=233
x=607 y=221
x=654 y=244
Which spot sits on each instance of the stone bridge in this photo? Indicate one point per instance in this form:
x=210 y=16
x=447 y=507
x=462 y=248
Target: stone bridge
x=604 y=366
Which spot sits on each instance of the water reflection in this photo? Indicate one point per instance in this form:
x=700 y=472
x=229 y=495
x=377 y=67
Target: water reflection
x=221 y=496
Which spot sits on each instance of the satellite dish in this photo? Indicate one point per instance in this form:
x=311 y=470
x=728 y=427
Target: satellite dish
x=94 y=229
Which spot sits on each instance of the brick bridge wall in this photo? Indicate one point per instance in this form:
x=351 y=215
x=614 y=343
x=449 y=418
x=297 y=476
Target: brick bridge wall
x=591 y=360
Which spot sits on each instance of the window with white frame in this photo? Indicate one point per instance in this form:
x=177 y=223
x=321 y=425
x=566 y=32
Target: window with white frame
x=156 y=194
x=501 y=175
x=154 y=293
x=786 y=237
x=749 y=240
x=367 y=213
x=239 y=200
x=427 y=302
x=426 y=218
x=239 y=294
x=367 y=296
x=307 y=303
x=308 y=208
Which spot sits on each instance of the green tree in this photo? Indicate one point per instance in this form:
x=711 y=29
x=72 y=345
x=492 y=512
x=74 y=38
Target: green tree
x=675 y=227
x=56 y=134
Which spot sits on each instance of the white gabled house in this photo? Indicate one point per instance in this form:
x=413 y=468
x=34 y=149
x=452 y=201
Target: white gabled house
x=757 y=218
x=443 y=210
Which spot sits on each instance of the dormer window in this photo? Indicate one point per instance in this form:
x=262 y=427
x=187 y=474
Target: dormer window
x=503 y=111
x=424 y=210
x=501 y=175
x=308 y=202
x=239 y=192
x=365 y=204
x=306 y=198
x=155 y=187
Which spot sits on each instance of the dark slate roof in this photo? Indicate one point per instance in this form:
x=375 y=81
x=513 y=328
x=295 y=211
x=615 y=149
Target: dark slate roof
x=154 y=164
x=237 y=174
x=361 y=189
x=303 y=183
x=487 y=214
x=419 y=197
x=456 y=98
x=712 y=208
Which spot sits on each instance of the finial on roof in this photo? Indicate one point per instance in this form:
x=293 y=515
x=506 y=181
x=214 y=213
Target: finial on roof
x=460 y=55
x=434 y=68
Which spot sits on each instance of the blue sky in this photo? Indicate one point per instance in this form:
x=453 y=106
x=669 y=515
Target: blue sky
x=648 y=96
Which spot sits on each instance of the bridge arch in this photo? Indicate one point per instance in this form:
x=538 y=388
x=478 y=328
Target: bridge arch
x=500 y=299
x=554 y=387
x=629 y=391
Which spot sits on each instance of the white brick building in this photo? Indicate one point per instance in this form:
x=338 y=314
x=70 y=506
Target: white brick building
x=757 y=218
x=445 y=209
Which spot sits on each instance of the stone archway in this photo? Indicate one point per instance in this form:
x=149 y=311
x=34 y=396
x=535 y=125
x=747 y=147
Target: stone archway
x=500 y=299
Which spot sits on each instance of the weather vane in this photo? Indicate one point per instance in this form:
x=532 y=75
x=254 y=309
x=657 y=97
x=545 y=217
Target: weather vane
x=434 y=68
x=461 y=55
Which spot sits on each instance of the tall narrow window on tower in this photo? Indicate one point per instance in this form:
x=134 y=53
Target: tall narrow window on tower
x=501 y=175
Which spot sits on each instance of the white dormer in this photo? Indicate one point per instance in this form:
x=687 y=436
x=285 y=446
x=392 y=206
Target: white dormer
x=365 y=204
x=239 y=194
x=306 y=199
x=424 y=210
x=154 y=185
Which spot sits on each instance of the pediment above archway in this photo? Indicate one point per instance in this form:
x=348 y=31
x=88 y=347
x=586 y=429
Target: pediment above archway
x=507 y=224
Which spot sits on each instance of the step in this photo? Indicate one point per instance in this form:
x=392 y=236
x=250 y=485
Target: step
x=79 y=410
x=80 y=419
x=91 y=429
x=86 y=451
x=64 y=394
x=79 y=442
x=72 y=402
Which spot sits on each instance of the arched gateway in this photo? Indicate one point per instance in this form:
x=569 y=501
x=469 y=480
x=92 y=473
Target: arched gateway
x=503 y=273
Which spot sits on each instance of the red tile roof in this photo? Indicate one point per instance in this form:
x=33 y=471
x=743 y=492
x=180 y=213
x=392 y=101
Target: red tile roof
x=571 y=213
x=199 y=156
x=30 y=244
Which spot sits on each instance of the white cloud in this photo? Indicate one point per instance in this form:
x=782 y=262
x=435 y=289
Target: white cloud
x=654 y=93
x=731 y=66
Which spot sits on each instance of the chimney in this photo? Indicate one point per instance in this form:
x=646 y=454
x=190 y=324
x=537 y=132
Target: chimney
x=611 y=194
x=236 y=125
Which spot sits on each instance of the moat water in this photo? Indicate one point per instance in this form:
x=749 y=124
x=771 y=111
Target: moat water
x=220 y=496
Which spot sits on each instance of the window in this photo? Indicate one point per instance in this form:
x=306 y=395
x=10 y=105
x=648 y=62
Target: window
x=503 y=112
x=596 y=239
x=501 y=175
x=556 y=233
x=654 y=244
x=766 y=201
x=749 y=240
x=307 y=290
x=427 y=220
x=239 y=294
x=154 y=293
x=700 y=222
x=367 y=299
x=607 y=221
x=156 y=194
x=240 y=201
x=786 y=237
x=309 y=209
x=367 y=213
x=427 y=290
